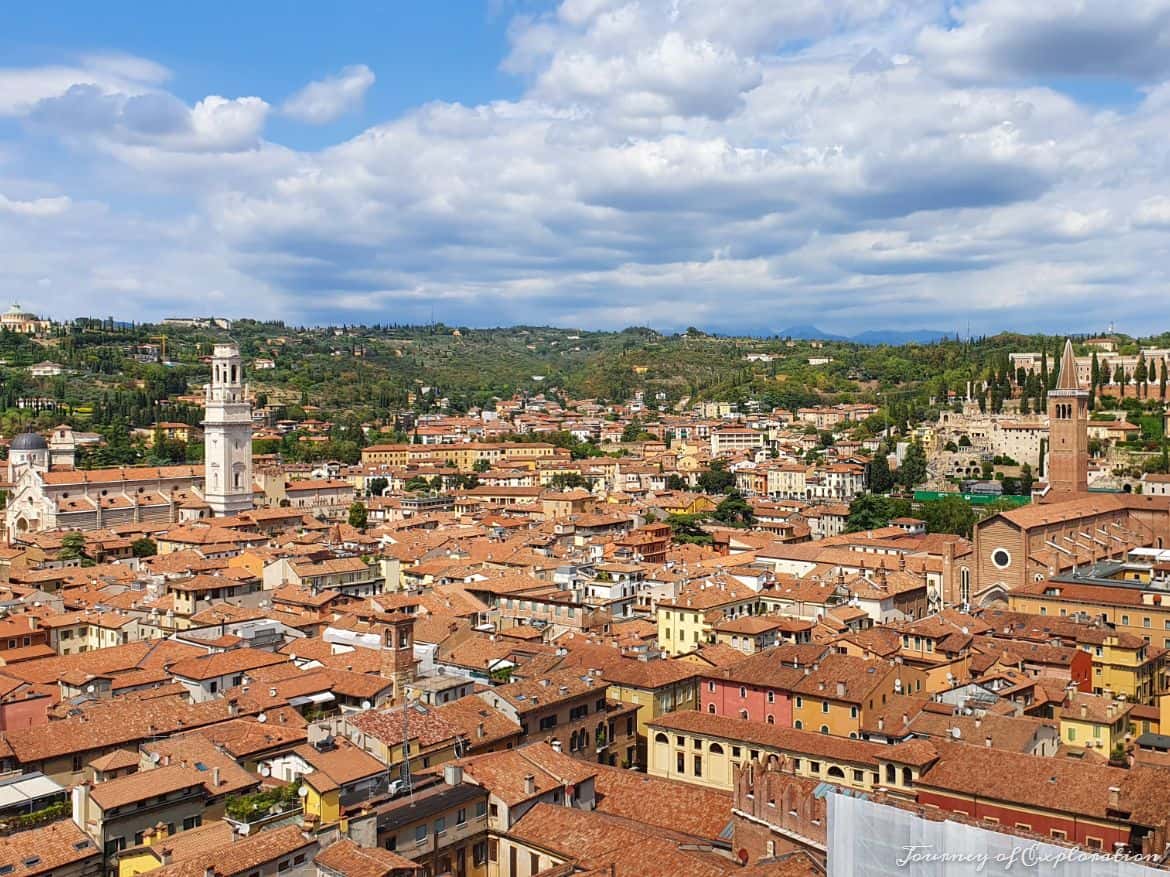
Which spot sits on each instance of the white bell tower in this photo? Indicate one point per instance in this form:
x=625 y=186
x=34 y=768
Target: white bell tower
x=227 y=435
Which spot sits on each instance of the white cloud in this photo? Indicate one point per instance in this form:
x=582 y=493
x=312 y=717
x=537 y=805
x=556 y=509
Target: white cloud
x=330 y=98
x=745 y=165
x=38 y=207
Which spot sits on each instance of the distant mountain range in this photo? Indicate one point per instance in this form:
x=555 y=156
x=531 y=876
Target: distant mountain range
x=870 y=336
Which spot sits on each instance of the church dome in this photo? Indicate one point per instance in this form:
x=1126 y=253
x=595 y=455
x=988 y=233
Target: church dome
x=29 y=441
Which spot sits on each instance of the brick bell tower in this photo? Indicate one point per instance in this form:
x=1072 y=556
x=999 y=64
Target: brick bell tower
x=1068 y=430
x=398 y=662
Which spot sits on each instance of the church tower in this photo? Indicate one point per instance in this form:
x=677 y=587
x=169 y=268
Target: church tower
x=1068 y=430
x=227 y=435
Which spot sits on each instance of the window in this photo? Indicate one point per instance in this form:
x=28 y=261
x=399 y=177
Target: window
x=824 y=706
x=771 y=697
x=1002 y=558
x=461 y=816
x=548 y=722
x=1093 y=843
x=711 y=684
x=493 y=849
x=858 y=776
x=798 y=725
x=479 y=853
x=698 y=765
x=1146 y=621
x=391 y=842
x=853 y=712
x=771 y=719
x=1023 y=826
x=441 y=826
x=77 y=765
x=480 y=809
x=814 y=767
x=283 y=865
x=1125 y=620
x=735 y=752
x=192 y=822
x=711 y=706
x=299 y=859
x=1059 y=835
x=799 y=701
x=824 y=729
x=680 y=763
x=420 y=834
x=742 y=692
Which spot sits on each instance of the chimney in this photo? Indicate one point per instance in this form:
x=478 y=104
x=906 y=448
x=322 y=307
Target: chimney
x=1114 y=798
x=556 y=745
x=881 y=723
x=164 y=856
x=452 y=774
x=978 y=721
x=840 y=689
x=215 y=777
x=233 y=707
x=1084 y=710
x=209 y=871
x=529 y=784
x=987 y=742
x=479 y=731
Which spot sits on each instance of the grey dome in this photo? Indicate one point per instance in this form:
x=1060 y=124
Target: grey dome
x=29 y=441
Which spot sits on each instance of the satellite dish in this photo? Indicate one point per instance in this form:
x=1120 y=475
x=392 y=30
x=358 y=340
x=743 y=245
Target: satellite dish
x=303 y=791
x=155 y=758
x=265 y=770
x=89 y=689
x=262 y=718
x=366 y=704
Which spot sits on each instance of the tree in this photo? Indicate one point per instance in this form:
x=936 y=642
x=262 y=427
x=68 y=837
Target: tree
x=567 y=480
x=912 y=472
x=144 y=547
x=734 y=510
x=878 y=476
x=481 y=465
x=676 y=482
x=951 y=514
x=1162 y=380
x=687 y=529
x=868 y=511
x=376 y=486
x=73 y=546
x=717 y=478
x=358 y=516
x=964 y=441
x=1027 y=480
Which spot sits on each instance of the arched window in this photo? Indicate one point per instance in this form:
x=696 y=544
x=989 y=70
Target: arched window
x=771 y=720
x=836 y=773
x=907 y=777
x=891 y=774
x=743 y=714
x=661 y=738
x=715 y=749
x=711 y=708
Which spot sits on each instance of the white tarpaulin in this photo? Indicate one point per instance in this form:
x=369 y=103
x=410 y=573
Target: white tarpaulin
x=875 y=840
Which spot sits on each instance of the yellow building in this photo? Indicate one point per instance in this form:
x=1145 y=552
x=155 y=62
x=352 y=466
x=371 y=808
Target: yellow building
x=687 y=622
x=706 y=749
x=158 y=843
x=1124 y=664
x=837 y=695
x=1091 y=721
x=655 y=687
x=322 y=798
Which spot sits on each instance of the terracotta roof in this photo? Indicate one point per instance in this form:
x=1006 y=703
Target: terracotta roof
x=502 y=773
x=42 y=850
x=696 y=810
x=346 y=859
x=242 y=855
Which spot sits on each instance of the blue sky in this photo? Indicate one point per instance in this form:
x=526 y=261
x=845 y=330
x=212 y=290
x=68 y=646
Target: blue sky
x=741 y=165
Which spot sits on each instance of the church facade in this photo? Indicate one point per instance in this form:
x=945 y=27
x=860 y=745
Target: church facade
x=49 y=493
x=1069 y=527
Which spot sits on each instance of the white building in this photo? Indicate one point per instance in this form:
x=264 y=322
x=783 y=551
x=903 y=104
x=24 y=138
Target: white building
x=227 y=435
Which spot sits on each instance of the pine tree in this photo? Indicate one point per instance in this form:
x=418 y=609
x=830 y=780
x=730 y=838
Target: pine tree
x=1162 y=381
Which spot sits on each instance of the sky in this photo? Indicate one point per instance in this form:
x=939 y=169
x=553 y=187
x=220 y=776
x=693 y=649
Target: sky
x=741 y=166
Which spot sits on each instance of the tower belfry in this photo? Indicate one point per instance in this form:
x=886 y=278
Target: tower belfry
x=227 y=435
x=1068 y=429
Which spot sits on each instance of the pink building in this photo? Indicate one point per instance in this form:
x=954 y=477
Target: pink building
x=757 y=688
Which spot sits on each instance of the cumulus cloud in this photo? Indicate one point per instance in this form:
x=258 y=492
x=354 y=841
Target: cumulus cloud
x=740 y=166
x=330 y=98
